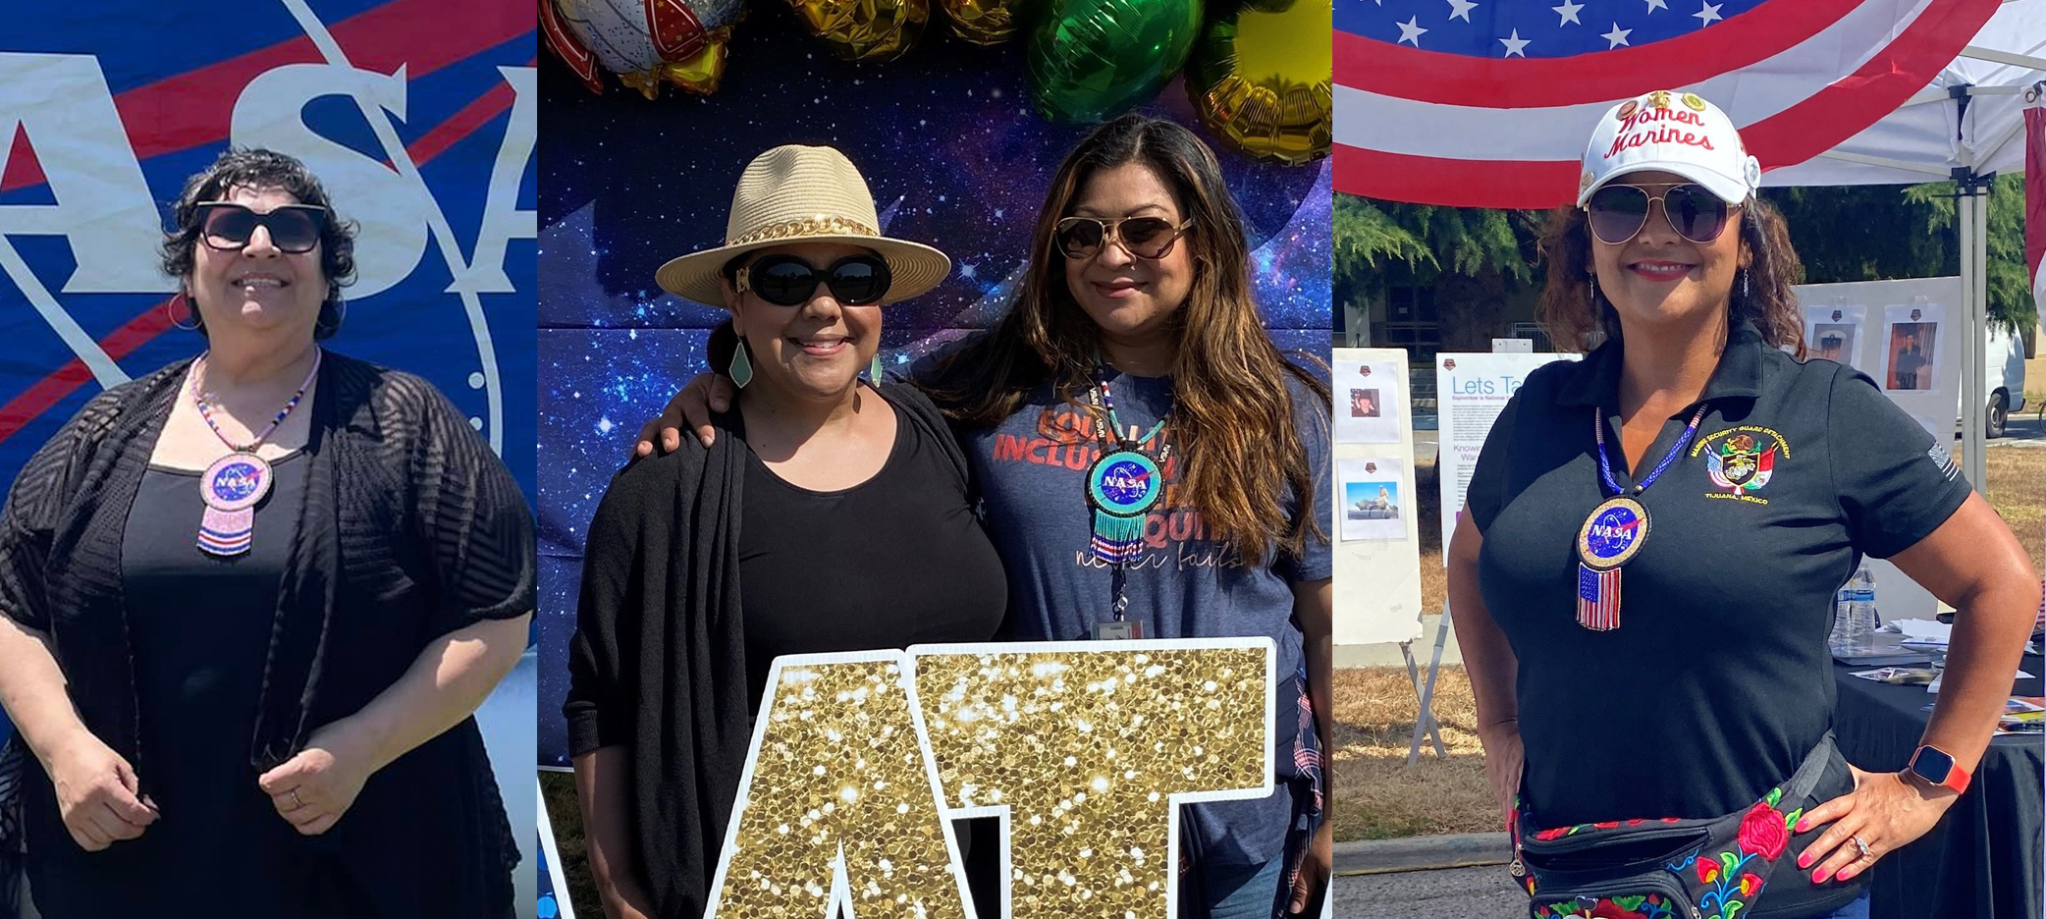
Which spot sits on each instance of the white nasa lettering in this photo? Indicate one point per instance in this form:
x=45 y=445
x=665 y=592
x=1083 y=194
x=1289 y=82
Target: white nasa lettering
x=106 y=212
x=103 y=209
x=269 y=113
x=503 y=221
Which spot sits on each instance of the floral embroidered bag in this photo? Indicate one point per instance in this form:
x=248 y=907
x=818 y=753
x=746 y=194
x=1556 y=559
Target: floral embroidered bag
x=1704 y=868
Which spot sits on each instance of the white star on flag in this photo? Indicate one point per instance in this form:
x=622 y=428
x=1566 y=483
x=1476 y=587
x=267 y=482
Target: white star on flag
x=1614 y=39
x=1654 y=5
x=1411 y=31
x=1515 y=46
x=1709 y=14
x=1569 y=12
x=1461 y=9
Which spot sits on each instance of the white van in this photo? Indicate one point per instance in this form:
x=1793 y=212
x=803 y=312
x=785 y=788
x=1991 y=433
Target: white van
x=2004 y=380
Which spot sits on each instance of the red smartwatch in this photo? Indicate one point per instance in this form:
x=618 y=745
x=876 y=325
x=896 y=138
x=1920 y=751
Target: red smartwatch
x=1937 y=768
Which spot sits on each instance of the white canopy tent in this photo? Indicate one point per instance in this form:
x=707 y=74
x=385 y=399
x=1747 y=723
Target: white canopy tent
x=1967 y=126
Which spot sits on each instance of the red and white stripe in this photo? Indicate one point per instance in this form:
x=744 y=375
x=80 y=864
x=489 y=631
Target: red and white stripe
x=1598 y=599
x=1437 y=128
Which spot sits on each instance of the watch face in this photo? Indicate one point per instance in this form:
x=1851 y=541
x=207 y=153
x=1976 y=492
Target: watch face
x=1933 y=764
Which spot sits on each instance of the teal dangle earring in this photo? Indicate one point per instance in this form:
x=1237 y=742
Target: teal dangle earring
x=874 y=370
x=742 y=366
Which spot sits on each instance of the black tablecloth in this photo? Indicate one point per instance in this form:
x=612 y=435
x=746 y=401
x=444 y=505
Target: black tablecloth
x=1983 y=859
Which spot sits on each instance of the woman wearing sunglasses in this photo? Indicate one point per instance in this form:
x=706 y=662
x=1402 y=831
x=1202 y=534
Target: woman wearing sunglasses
x=1151 y=466
x=1657 y=533
x=830 y=515
x=251 y=601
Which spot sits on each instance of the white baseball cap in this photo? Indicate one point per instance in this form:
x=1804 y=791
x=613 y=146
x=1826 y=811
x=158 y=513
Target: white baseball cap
x=1670 y=131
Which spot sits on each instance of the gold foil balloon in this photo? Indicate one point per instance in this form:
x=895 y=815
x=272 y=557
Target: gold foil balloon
x=1091 y=60
x=982 y=22
x=865 y=30
x=646 y=43
x=1261 y=80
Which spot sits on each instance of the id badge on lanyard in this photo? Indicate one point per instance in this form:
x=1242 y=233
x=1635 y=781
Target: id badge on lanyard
x=1118 y=630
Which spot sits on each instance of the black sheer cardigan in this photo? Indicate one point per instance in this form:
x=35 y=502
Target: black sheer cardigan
x=411 y=528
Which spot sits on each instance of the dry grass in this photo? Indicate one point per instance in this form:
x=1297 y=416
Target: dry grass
x=2016 y=487
x=1380 y=797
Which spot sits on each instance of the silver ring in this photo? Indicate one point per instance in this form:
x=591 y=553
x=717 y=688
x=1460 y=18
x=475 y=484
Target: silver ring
x=1865 y=853
x=297 y=802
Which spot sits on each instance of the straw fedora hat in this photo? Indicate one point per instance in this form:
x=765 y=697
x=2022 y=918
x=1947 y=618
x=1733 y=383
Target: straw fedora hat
x=795 y=194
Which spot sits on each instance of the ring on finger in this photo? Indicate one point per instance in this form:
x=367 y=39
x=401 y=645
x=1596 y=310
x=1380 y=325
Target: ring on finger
x=1865 y=851
x=297 y=802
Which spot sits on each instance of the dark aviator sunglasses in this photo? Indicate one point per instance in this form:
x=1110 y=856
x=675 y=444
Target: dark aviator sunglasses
x=1618 y=212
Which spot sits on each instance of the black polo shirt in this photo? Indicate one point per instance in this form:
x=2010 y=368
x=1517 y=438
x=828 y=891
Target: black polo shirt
x=1718 y=680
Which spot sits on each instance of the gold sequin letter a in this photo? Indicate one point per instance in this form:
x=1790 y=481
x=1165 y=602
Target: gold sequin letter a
x=1089 y=747
x=838 y=804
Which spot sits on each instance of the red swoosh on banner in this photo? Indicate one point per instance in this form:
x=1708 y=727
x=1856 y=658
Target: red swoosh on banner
x=154 y=321
x=189 y=110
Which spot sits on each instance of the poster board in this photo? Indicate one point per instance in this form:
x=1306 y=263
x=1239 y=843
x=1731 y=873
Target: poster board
x=1470 y=392
x=1377 y=555
x=1905 y=335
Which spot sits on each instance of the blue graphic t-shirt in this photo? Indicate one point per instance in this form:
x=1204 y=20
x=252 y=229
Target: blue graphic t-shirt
x=1031 y=471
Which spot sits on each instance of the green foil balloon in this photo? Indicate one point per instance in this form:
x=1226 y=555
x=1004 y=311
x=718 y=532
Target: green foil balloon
x=1091 y=60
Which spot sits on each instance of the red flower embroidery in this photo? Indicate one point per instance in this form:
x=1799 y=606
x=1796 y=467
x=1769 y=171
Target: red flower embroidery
x=1763 y=833
x=1749 y=884
x=1708 y=871
x=1552 y=834
x=1607 y=909
x=1606 y=826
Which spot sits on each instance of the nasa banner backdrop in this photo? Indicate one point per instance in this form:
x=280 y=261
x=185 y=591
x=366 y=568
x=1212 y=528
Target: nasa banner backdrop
x=417 y=115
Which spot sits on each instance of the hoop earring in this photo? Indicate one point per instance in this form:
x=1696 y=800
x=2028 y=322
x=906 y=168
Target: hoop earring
x=170 y=311
x=742 y=366
x=340 y=316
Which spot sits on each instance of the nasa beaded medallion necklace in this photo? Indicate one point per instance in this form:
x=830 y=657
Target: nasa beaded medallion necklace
x=1122 y=487
x=237 y=482
x=1615 y=532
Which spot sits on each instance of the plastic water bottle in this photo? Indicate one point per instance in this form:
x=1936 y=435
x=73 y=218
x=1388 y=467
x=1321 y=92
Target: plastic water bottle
x=1867 y=620
x=1854 y=615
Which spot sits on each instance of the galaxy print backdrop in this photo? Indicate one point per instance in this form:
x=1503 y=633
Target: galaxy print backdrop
x=955 y=156
x=419 y=117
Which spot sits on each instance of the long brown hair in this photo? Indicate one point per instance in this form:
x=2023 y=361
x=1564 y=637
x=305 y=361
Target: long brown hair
x=1232 y=413
x=1573 y=309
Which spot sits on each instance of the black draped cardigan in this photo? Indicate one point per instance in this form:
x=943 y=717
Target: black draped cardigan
x=658 y=661
x=411 y=528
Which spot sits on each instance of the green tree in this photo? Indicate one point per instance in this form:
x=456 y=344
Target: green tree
x=1379 y=242
x=1848 y=233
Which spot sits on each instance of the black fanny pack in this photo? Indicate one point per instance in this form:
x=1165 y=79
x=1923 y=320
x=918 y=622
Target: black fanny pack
x=1701 y=868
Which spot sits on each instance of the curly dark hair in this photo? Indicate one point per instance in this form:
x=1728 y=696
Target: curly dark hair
x=1573 y=309
x=263 y=169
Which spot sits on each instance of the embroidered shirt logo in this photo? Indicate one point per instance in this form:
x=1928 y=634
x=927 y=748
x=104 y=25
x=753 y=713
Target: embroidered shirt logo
x=1741 y=461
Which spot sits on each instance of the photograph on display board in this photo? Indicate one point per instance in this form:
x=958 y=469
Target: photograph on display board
x=1371 y=499
x=267 y=558
x=1833 y=341
x=903 y=308
x=1912 y=357
x=1834 y=333
x=1368 y=404
x=1911 y=347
